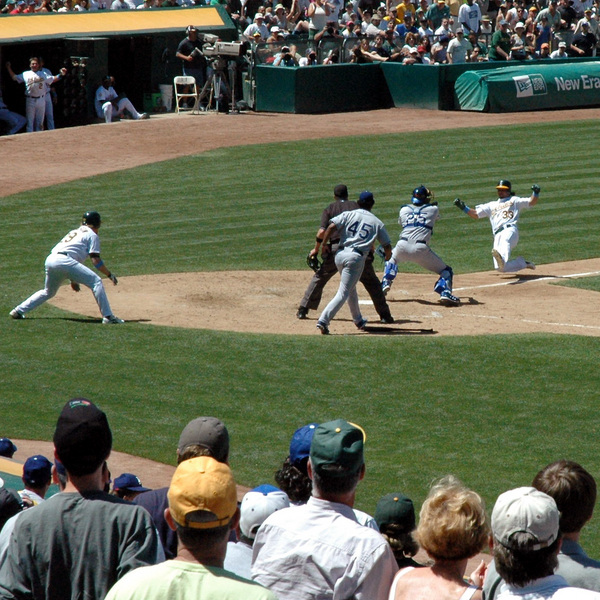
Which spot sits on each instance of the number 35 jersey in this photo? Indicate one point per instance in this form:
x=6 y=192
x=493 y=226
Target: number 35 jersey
x=503 y=212
x=79 y=244
x=417 y=222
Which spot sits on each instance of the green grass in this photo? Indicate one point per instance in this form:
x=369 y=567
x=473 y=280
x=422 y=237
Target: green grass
x=492 y=410
x=585 y=283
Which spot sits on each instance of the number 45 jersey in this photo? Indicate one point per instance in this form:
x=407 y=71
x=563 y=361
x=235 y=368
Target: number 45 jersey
x=503 y=212
x=417 y=222
x=359 y=229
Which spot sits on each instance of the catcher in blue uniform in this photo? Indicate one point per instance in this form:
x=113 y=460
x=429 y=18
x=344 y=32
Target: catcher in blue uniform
x=417 y=220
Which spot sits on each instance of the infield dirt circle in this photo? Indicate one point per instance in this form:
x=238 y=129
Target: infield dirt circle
x=266 y=302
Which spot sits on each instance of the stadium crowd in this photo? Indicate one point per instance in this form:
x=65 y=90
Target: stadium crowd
x=301 y=540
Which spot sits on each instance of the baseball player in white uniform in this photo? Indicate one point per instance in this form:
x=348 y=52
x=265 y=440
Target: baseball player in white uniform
x=417 y=220
x=49 y=102
x=14 y=121
x=108 y=101
x=358 y=230
x=65 y=262
x=36 y=83
x=503 y=214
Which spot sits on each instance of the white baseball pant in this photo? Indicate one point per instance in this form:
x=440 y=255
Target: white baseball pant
x=418 y=253
x=35 y=109
x=49 y=111
x=350 y=264
x=122 y=104
x=14 y=120
x=58 y=268
x=504 y=242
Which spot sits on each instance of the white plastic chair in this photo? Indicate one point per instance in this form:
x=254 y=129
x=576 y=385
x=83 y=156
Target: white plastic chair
x=190 y=82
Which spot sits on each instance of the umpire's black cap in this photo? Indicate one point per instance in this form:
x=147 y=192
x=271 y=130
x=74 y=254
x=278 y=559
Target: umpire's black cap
x=341 y=191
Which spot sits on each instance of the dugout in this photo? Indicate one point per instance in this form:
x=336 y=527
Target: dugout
x=137 y=47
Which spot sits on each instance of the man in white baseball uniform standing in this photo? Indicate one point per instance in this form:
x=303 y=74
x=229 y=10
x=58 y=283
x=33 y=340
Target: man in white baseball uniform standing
x=503 y=214
x=36 y=86
x=65 y=262
x=358 y=231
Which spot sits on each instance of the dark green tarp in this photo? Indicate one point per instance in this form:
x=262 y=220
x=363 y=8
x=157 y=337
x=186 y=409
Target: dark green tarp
x=535 y=86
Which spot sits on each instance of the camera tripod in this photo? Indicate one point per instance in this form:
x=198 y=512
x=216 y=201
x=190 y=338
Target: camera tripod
x=217 y=87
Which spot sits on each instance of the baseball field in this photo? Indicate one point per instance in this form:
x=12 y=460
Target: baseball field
x=207 y=221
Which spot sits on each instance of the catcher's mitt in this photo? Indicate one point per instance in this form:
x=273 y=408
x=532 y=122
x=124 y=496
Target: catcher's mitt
x=313 y=262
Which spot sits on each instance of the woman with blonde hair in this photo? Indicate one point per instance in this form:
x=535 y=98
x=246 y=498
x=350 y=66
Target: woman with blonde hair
x=453 y=527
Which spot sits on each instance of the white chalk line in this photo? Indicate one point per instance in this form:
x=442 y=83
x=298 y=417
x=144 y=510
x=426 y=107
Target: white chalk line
x=438 y=315
x=532 y=280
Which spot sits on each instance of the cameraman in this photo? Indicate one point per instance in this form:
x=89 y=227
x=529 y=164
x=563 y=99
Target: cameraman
x=189 y=52
x=329 y=31
x=285 y=58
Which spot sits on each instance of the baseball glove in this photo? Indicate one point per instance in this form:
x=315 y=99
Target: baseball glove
x=312 y=260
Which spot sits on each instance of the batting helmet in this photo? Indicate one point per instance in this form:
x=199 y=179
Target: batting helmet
x=91 y=218
x=504 y=184
x=421 y=195
x=366 y=200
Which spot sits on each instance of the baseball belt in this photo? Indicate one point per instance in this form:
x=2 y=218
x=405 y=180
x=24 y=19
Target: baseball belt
x=404 y=239
x=503 y=228
x=351 y=248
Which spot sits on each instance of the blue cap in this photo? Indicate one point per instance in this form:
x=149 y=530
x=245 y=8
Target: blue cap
x=300 y=444
x=130 y=483
x=365 y=196
x=7 y=448
x=37 y=470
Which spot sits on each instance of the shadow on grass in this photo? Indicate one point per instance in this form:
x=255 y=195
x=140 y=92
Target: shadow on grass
x=370 y=329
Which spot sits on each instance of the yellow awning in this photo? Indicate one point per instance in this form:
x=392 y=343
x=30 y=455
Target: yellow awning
x=18 y=28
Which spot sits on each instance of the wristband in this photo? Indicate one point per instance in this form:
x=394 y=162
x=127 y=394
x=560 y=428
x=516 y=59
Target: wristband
x=320 y=240
x=466 y=209
x=100 y=264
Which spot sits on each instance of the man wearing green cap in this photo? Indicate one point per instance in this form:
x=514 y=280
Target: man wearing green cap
x=319 y=549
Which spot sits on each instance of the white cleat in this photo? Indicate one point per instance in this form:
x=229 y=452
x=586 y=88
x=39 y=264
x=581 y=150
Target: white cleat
x=529 y=265
x=112 y=320
x=15 y=314
x=499 y=260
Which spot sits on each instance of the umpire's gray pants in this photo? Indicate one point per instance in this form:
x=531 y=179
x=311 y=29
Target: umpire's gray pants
x=350 y=264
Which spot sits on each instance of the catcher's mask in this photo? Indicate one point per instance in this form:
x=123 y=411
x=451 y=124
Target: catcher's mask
x=91 y=218
x=421 y=195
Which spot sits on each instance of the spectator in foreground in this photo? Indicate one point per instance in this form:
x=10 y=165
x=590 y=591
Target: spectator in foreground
x=204 y=436
x=256 y=506
x=7 y=448
x=37 y=477
x=395 y=517
x=203 y=510
x=452 y=528
x=526 y=542
x=128 y=486
x=56 y=548
x=574 y=491
x=310 y=551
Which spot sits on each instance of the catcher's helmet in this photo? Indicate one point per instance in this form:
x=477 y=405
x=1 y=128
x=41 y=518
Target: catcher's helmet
x=366 y=200
x=504 y=184
x=421 y=195
x=91 y=218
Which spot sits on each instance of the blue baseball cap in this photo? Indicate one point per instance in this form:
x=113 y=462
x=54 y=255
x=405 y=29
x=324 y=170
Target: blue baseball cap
x=300 y=444
x=7 y=448
x=129 y=482
x=37 y=470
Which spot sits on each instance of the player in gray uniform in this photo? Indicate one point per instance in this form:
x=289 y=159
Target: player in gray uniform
x=312 y=296
x=503 y=214
x=64 y=262
x=358 y=230
x=417 y=220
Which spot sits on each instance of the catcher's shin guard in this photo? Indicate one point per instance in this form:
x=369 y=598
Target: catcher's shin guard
x=444 y=283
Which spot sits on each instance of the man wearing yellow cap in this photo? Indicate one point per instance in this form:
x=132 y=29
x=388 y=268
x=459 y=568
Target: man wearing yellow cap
x=203 y=510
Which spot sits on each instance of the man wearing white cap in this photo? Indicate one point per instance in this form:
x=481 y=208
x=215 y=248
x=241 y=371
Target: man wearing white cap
x=256 y=506
x=526 y=542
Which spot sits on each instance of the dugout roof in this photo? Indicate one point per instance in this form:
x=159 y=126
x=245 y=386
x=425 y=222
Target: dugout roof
x=111 y=23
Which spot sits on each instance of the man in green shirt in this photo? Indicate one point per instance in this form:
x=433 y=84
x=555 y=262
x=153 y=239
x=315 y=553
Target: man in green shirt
x=500 y=44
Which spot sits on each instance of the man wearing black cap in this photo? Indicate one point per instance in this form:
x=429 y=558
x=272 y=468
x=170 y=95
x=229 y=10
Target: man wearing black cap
x=79 y=542
x=319 y=550
x=204 y=436
x=314 y=292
